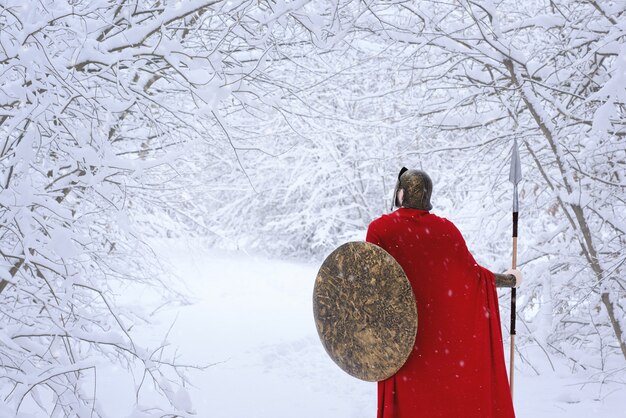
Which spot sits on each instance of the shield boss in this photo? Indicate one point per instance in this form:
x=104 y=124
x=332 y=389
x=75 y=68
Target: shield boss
x=365 y=311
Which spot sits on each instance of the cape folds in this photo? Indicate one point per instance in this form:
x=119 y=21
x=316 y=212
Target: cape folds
x=457 y=366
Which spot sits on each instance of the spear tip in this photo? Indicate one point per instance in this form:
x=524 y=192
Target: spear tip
x=515 y=175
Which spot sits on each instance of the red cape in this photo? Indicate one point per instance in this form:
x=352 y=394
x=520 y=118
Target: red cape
x=457 y=366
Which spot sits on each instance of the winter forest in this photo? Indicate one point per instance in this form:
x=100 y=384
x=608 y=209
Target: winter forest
x=157 y=152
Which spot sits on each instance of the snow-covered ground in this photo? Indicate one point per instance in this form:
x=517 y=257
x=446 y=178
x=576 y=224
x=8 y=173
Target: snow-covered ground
x=252 y=319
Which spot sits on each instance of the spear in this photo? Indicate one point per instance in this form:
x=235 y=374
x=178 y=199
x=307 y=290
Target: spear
x=515 y=176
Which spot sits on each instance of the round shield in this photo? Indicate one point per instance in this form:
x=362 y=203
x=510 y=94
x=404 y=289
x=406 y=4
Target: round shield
x=365 y=311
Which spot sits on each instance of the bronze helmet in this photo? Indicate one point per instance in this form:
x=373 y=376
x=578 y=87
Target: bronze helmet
x=417 y=186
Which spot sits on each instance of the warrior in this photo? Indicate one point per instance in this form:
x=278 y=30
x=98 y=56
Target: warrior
x=456 y=368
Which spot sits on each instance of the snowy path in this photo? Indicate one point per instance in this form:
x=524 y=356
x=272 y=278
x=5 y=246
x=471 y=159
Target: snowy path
x=253 y=318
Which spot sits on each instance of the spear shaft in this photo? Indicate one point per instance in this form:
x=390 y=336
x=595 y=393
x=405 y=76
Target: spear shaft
x=513 y=307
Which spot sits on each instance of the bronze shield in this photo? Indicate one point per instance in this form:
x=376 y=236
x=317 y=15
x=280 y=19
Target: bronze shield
x=365 y=311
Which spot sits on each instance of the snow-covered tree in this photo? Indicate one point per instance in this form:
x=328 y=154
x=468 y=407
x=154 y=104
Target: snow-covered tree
x=106 y=107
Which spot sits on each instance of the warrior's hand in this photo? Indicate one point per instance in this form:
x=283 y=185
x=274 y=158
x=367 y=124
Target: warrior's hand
x=518 y=276
x=510 y=278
